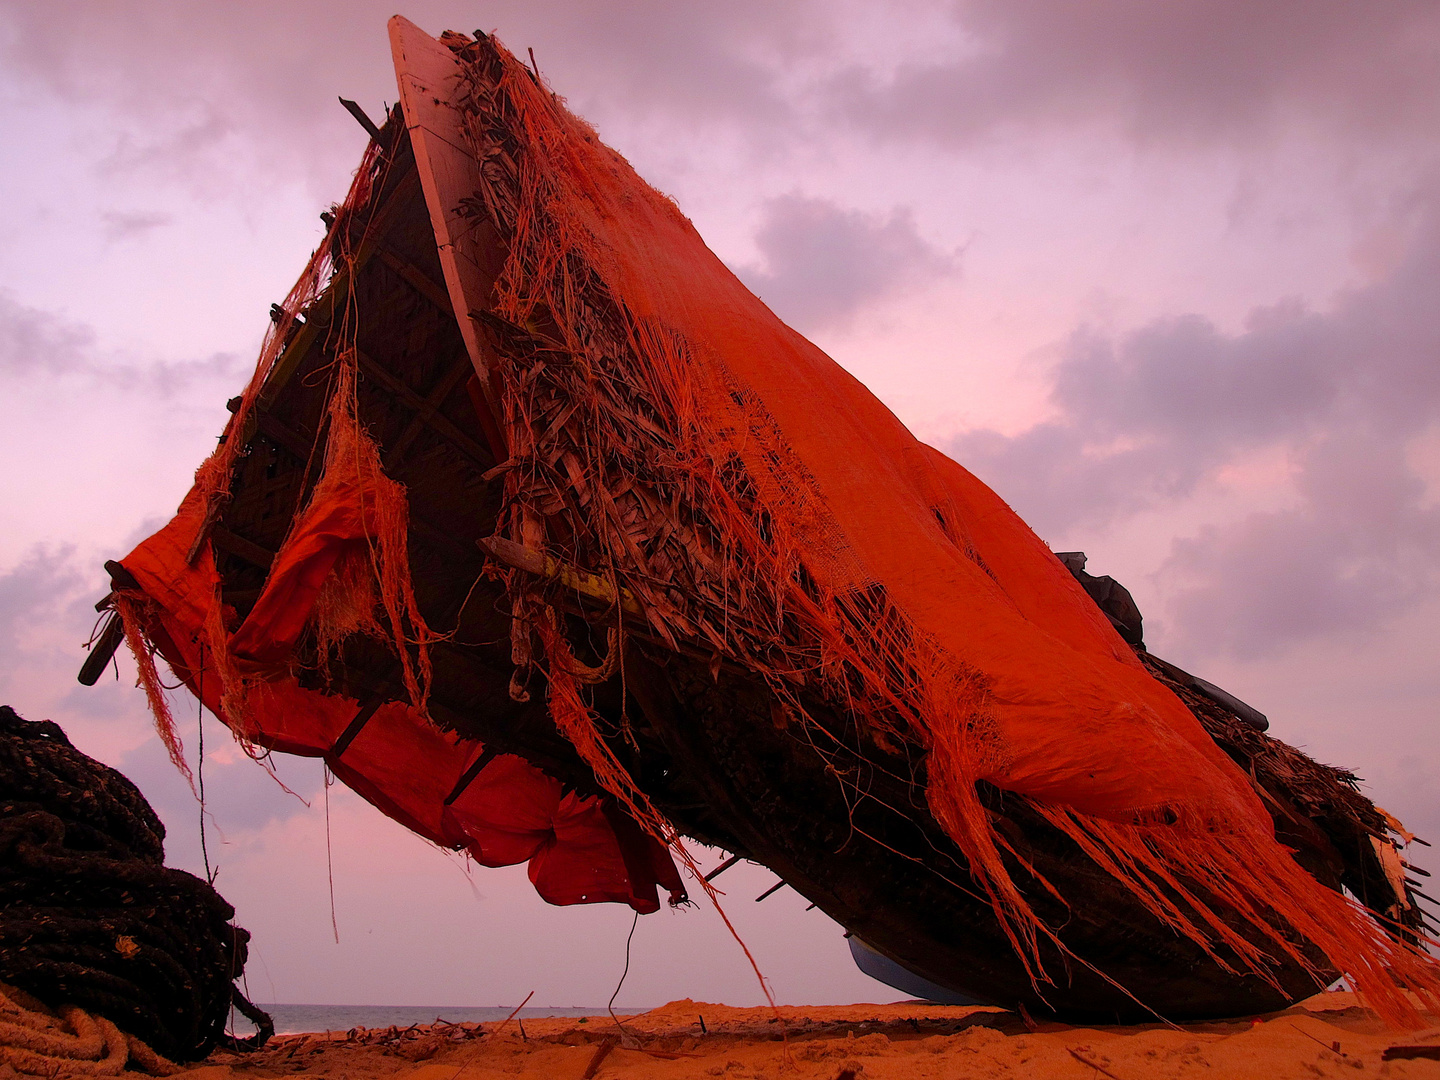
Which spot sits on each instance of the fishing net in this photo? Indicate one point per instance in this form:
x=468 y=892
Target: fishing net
x=94 y=923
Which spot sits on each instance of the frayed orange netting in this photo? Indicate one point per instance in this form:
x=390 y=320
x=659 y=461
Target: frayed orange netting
x=669 y=434
x=345 y=555
x=343 y=569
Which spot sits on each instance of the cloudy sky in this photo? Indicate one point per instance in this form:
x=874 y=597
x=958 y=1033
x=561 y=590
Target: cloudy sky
x=1164 y=275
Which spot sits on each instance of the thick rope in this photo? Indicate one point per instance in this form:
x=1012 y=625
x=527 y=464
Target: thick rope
x=36 y=1041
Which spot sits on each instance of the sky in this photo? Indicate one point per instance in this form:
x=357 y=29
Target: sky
x=1163 y=275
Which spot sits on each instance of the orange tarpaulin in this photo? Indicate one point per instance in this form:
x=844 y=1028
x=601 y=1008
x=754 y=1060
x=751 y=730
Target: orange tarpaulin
x=400 y=762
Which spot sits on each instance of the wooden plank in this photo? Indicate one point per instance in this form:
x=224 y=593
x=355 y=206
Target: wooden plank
x=428 y=76
x=237 y=545
x=437 y=397
x=428 y=412
x=417 y=278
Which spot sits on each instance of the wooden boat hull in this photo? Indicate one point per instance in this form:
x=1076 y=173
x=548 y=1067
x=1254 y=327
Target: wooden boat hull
x=852 y=834
x=843 y=821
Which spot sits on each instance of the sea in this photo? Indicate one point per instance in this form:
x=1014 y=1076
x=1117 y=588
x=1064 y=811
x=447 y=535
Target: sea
x=290 y=1019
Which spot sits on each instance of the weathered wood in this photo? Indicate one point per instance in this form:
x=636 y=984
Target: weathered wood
x=277 y=431
x=103 y=651
x=770 y=891
x=571 y=577
x=417 y=279
x=354 y=109
x=601 y=1053
x=237 y=545
x=319 y=313
x=352 y=729
x=489 y=754
x=726 y=865
x=849 y=833
x=436 y=398
x=293 y=355
x=428 y=77
x=120 y=578
x=114 y=630
x=428 y=412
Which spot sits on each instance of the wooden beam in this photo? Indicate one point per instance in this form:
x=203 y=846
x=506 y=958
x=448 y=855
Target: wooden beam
x=489 y=754
x=367 y=710
x=320 y=311
x=428 y=412
x=547 y=566
x=436 y=398
x=417 y=279
x=772 y=889
x=731 y=861
x=103 y=650
x=364 y=121
x=237 y=545
x=553 y=755
x=277 y=431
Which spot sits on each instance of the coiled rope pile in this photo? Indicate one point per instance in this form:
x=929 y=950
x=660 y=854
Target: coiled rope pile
x=94 y=924
x=43 y=1042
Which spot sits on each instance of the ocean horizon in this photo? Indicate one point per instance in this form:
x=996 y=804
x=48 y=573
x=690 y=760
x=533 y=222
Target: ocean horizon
x=291 y=1019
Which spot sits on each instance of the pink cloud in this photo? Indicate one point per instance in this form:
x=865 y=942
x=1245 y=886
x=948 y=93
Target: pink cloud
x=1191 y=70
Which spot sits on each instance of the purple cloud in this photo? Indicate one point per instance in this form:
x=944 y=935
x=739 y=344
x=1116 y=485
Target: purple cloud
x=1189 y=70
x=823 y=264
x=32 y=340
x=1144 y=420
x=1360 y=548
x=256 y=84
x=42 y=344
x=122 y=225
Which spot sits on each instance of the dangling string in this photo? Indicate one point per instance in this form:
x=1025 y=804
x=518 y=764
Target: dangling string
x=200 y=763
x=329 y=862
x=624 y=1034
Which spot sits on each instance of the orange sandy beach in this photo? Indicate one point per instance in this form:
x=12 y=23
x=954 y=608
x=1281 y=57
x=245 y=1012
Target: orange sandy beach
x=1328 y=1035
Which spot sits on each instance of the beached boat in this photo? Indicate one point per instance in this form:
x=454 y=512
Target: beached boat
x=507 y=536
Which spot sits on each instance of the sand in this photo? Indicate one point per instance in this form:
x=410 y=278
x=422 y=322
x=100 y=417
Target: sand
x=1328 y=1035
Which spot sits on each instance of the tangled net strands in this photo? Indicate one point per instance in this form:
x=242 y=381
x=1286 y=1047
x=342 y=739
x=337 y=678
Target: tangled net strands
x=92 y=919
x=642 y=455
x=321 y=302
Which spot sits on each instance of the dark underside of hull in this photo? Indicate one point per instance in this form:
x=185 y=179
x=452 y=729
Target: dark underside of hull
x=842 y=821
